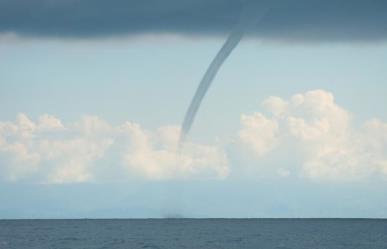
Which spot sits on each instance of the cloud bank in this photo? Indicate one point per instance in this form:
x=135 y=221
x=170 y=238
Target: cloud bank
x=321 y=133
x=47 y=151
x=305 y=20
x=307 y=136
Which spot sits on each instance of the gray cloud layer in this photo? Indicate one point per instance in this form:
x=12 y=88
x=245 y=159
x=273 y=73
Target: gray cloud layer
x=307 y=20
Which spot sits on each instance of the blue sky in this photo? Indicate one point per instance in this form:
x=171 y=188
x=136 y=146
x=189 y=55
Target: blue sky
x=113 y=78
x=150 y=81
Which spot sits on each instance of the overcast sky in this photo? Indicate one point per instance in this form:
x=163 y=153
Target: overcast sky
x=92 y=95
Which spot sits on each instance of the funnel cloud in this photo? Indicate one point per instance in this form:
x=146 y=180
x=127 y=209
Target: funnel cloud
x=250 y=16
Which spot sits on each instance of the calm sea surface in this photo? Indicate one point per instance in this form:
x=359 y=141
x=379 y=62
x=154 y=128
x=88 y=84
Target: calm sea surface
x=195 y=233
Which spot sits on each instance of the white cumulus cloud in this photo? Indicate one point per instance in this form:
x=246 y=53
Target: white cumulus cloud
x=259 y=133
x=330 y=144
x=154 y=155
x=49 y=151
x=307 y=135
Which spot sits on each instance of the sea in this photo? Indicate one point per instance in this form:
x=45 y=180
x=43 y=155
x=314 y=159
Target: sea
x=194 y=233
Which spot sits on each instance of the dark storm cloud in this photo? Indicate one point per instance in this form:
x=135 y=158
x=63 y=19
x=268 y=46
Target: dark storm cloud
x=331 y=20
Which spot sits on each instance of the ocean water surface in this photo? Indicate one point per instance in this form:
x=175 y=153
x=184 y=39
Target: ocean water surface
x=194 y=233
